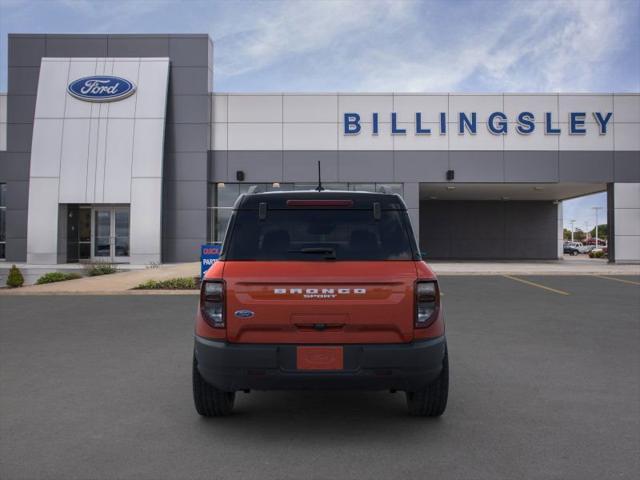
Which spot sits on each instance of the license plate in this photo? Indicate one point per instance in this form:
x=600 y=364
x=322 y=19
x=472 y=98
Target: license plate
x=320 y=358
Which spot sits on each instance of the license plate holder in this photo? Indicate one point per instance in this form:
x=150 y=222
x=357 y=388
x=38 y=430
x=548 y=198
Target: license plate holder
x=320 y=358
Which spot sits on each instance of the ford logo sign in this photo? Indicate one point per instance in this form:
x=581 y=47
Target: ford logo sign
x=101 y=88
x=244 y=313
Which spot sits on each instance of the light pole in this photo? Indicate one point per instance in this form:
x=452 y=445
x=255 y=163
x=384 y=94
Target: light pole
x=572 y=222
x=596 y=209
x=586 y=231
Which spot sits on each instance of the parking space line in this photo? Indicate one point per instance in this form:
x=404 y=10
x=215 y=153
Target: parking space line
x=534 y=284
x=631 y=282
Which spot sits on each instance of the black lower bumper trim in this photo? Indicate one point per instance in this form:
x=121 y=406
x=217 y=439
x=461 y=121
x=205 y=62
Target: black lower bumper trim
x=232 y=367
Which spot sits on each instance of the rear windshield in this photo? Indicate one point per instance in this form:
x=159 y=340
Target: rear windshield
x=318 y=235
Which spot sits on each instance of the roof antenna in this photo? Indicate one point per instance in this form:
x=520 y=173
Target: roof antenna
x=319 y=188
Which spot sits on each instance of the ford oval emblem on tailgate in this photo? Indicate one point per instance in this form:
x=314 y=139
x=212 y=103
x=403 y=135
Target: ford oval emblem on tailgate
x=244 y=313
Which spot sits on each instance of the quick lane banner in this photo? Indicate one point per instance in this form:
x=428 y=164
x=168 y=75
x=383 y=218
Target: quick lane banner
x=209 y=253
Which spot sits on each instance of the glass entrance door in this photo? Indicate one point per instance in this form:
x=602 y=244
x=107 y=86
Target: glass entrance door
x=78 y=232
x=111 y=234
x=102 y=233
x=120 y=234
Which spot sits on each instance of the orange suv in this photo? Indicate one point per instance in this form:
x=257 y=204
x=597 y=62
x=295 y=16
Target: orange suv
x=320 y=290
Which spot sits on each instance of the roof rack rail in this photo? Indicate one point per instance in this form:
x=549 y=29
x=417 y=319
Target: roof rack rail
x=254 y=189
x=386 y=189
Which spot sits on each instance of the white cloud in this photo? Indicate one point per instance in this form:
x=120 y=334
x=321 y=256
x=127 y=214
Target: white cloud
x=382 y=46
x=377 y=45
x=556 y=52
x=559 y=47
x=297 y=29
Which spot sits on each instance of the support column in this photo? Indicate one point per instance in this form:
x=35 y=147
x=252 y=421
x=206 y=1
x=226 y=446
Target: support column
x=560 y=236
x=623 y=207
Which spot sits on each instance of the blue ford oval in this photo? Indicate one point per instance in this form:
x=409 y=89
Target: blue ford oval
x=244 y=313
x=101 y=88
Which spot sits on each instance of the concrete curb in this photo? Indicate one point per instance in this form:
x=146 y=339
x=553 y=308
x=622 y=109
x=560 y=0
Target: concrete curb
x=118 y=283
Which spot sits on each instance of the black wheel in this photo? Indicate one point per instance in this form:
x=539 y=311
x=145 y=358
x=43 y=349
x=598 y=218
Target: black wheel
x=574 y=253
x=209 y=401
x=432 y=401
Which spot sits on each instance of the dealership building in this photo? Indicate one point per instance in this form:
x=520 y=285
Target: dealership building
x=117 y=148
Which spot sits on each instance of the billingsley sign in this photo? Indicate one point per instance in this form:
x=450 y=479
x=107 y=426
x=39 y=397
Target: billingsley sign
x=497 y=123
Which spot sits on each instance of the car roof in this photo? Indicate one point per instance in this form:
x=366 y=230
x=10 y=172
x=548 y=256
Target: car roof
x=361 y=200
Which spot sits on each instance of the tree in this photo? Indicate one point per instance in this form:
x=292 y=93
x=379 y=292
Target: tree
x=578 y=235
x=603 y=231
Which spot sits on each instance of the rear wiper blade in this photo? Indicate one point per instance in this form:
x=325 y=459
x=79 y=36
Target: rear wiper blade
x=329 y=252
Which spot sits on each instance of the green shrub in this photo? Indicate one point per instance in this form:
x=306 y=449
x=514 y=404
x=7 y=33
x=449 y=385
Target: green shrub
x=596 y=254
x=52 y=277
x=182 y=283
x=100 y=269
x=15 y=278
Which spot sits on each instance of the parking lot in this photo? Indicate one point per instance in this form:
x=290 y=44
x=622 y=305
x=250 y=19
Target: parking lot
x=545 y=384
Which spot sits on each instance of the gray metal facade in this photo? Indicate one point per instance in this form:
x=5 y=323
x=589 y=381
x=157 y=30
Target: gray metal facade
x=186 y=132
x=470 y=166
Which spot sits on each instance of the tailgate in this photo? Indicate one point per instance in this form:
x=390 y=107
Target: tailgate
x=320 y=302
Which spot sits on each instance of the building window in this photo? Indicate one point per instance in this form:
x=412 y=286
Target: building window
x=3 y=220
x=222 y=196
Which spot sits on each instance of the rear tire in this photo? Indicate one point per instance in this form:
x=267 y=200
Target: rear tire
x=574 y=253
x=209 y=401
x=432 y=401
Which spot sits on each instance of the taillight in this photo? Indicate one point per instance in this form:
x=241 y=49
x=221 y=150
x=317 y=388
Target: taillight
x=212 y=303
x=427 y=303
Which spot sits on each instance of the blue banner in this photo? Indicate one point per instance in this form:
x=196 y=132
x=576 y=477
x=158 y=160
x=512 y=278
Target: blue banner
x=209 y=253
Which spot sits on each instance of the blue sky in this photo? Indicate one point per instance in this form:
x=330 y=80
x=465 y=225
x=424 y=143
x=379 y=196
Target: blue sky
x=581 y=210
x=370 y=45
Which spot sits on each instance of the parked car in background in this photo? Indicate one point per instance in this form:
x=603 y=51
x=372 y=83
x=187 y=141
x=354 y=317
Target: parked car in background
x=573 y=248
x=592 y=241
x=586 y=248
x=599 y=252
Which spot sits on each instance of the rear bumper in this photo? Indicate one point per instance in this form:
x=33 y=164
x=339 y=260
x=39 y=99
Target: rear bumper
x=232 y=367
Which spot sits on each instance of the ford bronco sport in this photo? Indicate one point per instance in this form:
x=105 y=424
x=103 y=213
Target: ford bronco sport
x=320 y=290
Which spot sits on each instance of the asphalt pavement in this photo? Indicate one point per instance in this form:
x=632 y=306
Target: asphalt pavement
x=545 y=384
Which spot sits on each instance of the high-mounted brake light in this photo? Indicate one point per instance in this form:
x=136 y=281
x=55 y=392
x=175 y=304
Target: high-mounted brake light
x=212 y=303
x=427 y=303
x=319 y=203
